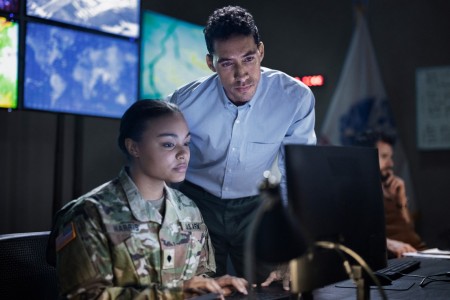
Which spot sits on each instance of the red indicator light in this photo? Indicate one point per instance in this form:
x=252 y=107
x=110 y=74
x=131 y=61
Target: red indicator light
x=313 y=80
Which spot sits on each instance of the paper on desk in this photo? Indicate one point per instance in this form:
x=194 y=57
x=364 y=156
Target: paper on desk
x=430 y=253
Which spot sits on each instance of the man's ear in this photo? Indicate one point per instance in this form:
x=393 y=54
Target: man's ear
x=210 y=62
x=261 y=50
x=132 y=148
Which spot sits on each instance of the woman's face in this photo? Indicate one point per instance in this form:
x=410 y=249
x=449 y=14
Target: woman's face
x=163 y=153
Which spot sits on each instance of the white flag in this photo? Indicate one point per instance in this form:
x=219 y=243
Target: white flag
x=360 y=102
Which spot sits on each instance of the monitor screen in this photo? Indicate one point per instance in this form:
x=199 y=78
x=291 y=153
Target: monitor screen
x=335 y=195
x=78 y=72
x=11 y=6
x=8 y=63
x=173 y=53
x=113 y=16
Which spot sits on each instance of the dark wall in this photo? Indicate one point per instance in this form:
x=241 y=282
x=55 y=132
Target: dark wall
x=48 y=159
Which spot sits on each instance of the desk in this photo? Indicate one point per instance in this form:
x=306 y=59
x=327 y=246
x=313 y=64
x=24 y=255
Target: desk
x=428 y=266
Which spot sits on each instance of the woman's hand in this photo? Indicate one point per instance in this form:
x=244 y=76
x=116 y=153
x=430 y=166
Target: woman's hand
x=223 y=286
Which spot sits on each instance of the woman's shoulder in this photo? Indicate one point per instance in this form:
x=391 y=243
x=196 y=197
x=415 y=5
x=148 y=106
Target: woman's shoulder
x=185 y=205
x=104 y=197
x=181 y=199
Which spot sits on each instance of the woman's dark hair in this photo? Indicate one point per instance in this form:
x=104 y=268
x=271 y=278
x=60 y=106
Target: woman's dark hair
x=228 y=21
x=134 y=121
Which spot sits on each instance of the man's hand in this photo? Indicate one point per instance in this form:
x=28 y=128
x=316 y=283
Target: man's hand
x=399 y=248
x=394 y=187
x=282 y=273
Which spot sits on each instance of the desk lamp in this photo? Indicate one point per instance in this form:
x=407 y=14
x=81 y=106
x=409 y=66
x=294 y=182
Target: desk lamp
x=273 y=237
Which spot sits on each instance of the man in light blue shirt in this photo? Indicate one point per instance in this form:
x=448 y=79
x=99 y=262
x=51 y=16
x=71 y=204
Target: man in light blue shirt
x=239 y=118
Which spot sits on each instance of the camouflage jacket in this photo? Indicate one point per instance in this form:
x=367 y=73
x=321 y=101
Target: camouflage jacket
x=112 y=244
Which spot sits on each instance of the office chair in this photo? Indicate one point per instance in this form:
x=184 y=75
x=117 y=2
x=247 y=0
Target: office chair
x=24 y=272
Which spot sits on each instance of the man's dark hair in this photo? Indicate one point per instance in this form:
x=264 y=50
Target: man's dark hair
x=228 y=21
x=134 y=121
x=370 y=138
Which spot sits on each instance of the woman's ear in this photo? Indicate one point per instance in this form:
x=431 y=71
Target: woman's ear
x=132 y=147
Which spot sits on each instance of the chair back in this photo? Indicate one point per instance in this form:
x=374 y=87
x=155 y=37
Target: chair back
x=24 y=271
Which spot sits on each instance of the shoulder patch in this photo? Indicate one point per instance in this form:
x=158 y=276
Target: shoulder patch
x=66 y=236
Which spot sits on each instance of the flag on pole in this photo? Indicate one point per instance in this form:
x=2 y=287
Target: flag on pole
x=360 y=101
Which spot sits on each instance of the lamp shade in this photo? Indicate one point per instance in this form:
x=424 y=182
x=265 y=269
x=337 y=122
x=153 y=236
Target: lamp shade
x=278 y=237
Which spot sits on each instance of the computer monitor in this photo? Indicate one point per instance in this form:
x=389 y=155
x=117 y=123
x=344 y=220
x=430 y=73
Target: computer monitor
x=78 y=72
x=173 y=53
x=9 y=68
x=120 y=17
x=9 y=6
x=334 y=193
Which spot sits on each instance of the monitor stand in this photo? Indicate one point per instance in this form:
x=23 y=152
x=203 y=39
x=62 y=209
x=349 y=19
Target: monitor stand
x=362 y=285
x=359 y=282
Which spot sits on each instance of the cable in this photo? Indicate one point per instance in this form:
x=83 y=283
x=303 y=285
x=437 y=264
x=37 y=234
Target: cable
x=355 y=256
x=430 y=279
x=411 y=275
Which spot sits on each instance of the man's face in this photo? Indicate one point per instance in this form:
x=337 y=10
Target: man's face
x=385 y=155
x=237 y=61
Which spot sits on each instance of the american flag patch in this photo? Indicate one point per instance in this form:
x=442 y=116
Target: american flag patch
x=68 y=234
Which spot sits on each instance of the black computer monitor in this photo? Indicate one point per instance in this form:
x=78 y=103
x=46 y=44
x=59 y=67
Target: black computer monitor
x=334 y=193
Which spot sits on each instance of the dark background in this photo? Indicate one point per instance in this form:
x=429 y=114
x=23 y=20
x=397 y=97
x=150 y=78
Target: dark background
x=47 y=159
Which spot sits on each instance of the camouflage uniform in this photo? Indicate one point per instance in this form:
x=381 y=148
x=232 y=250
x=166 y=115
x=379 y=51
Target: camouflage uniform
x=112 y=244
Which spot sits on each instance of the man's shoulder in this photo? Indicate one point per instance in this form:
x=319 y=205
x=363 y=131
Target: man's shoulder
x=195 y=88
x=277 y=77
x=280 y=87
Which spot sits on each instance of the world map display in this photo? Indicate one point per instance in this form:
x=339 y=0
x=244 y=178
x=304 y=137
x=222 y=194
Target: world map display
x=113 y=16
x=9 y=5
x=8 y=63
x=78 y=72
x=172 y=54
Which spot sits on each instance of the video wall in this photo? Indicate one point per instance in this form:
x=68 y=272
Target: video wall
x=9 y=51
x=173 y=53
x=79 y=57
x=93 y=57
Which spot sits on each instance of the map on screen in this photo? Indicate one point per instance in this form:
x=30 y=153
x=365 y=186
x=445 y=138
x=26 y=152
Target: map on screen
x=9 y=6
x=78 y=72
x=113 y=16
x=8 y=63
x=172 y=54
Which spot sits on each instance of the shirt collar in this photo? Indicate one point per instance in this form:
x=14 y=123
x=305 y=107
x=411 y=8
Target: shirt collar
x=141 y=209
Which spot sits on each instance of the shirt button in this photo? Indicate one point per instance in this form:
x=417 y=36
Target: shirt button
x=238 y=121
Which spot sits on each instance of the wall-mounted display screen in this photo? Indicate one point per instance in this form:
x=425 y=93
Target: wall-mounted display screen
x=78 y=72
x=113 y=16
x=9 y=6
x=172 y=54
x=8 y=63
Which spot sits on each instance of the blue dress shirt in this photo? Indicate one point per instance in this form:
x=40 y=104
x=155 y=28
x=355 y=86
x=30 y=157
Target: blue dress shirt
x=231 y=146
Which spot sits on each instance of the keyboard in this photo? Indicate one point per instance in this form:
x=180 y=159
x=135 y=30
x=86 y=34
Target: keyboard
x=263 y=293
x=397 y=268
